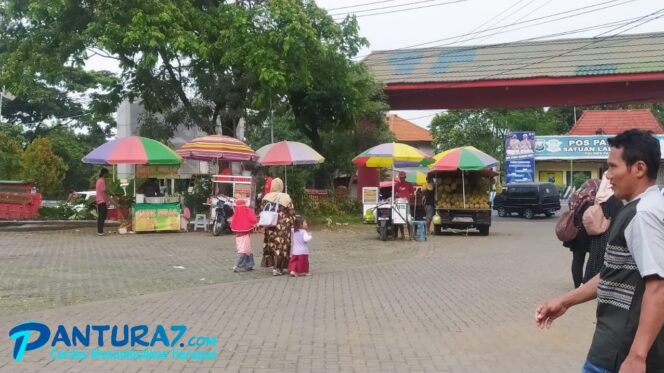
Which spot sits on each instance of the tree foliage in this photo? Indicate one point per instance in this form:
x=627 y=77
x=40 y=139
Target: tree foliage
x=200 y=63
x=10 y=156
x=71 y=148
x=485 y=129
x=39 y=164
x=197 y=63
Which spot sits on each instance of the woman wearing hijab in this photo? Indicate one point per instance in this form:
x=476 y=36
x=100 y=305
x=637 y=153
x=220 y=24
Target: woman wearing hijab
x=610 y=207
x=276 y=251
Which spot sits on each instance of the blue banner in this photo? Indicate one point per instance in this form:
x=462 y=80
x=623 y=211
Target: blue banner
x=520 y=170
x=576 y=147
x=520 y=157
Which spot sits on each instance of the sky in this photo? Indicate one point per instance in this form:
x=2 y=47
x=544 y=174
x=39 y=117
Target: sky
x=394 y=24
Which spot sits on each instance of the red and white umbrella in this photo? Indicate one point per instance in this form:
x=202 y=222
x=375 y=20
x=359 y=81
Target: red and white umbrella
x=288 y=153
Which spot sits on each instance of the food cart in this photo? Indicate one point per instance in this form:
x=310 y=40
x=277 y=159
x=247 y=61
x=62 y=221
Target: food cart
x=369 y=203
x=235 y=186
x=395 y=211
x=156 y=213
x=156 y=217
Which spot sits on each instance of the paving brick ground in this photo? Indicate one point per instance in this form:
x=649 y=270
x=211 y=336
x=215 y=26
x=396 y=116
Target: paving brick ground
x=49 y=269
x=452 y=304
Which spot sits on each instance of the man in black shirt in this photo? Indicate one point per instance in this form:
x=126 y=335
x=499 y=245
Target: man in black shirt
x=630 y=286
x=429 y=205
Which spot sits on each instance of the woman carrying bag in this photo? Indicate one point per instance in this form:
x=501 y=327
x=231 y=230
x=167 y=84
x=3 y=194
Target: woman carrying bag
x=277 y=240
x=596 y=221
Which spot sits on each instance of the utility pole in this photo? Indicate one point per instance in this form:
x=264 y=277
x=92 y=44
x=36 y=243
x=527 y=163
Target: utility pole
x=271 y=122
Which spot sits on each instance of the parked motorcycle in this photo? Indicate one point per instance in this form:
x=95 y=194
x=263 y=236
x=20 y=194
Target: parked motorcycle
x=221 y=221
x=384 y=224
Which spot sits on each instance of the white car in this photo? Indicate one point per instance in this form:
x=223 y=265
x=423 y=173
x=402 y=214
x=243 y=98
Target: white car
x=89 y=195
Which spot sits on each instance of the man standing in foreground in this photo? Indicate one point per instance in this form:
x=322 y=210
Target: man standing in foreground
x=630 y=286
x=404 y=189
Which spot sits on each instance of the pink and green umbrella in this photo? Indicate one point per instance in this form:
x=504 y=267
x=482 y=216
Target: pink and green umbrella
x=465 y=158
x=288 y=153
x=133 y=150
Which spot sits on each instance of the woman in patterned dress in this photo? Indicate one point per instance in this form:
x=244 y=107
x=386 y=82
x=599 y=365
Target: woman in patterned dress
x=277 y=241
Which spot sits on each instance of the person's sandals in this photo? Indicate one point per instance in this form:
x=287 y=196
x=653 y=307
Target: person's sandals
x=276 y=273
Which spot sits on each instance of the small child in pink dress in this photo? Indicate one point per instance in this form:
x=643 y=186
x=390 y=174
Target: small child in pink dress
x=299 y=260
x=243 y=222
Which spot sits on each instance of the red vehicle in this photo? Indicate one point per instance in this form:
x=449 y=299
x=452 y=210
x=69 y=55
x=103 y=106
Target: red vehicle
x=18 y=201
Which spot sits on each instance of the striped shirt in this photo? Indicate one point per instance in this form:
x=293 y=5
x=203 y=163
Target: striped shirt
x=635 y=250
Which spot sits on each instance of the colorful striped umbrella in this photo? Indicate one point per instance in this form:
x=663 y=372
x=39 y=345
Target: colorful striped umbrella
x=133 y=150
x=217 y=148
x=465 y=158
x=415 y=175
x=390 y=155
x=287 y=153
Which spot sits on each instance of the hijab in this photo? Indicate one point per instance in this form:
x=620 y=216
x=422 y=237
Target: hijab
x=244 y=218
x=277 y=193
x=605 y=191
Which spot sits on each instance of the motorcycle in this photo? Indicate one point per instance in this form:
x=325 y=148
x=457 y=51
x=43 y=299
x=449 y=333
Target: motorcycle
x=221 y=221
x=388 y=217
x=384 y=224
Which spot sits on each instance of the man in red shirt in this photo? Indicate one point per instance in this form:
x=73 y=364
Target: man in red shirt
x=403 y=189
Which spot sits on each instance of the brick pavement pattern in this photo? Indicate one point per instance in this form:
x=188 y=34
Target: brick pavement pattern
x=453 y=304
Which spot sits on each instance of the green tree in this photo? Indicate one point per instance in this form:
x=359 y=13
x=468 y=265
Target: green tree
x=39 y=164
x=10 y=157
x=485 y=129
x=200 y=63
x=71 y=148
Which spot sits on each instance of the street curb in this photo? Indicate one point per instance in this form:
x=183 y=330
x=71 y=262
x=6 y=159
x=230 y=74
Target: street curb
x=42 y=225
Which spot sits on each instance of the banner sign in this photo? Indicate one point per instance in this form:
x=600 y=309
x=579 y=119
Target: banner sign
x=576 y=147
x=519 y=145
x=156 y=217
x=519 y=170
x=520 y=157
x=160 y=172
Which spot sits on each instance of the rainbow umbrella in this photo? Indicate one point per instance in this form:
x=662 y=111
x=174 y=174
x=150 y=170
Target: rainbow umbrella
x=465 y=158
x=416 y=175
x=133 y=150
x=288 y=153
x=217 y=148
x=390 y=155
